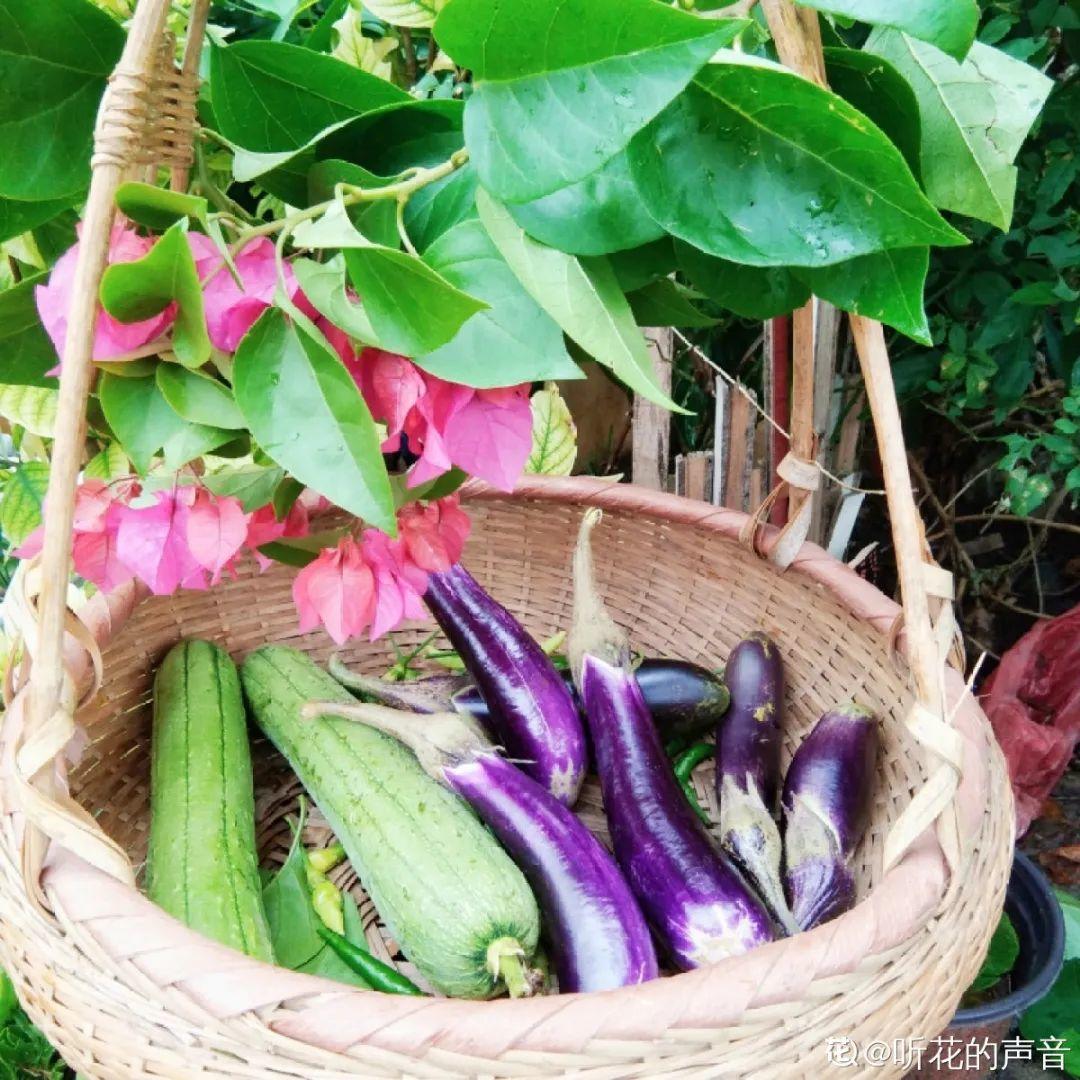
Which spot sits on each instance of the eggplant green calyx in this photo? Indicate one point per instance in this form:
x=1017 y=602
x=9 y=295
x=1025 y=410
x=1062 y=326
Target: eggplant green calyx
x=593 y=632
x=506 y=964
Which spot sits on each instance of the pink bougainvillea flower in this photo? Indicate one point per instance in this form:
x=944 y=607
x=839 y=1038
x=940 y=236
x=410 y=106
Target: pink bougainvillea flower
x=399 y=583
x=231 y=309
x=491 y=436
x=216 y=530
x=263 y=527
x=434 y=535
x=96 y=554
x=112 y=338
x=336 y=590
x=152 y=543
x=426 y=425
x=391 y=386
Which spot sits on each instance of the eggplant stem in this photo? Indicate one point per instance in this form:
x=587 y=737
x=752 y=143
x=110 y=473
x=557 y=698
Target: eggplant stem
x=592 y=630
x=506 y=963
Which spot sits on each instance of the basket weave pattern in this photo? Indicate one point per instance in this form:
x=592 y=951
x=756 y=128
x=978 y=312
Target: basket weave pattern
x=892 y=967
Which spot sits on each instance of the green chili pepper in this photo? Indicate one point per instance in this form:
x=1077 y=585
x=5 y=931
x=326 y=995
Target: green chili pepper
x=685 y=764
x=323 y=860
x=381 y=976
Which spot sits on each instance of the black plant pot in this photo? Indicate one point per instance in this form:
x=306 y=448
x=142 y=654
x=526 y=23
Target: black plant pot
x=1036 y=914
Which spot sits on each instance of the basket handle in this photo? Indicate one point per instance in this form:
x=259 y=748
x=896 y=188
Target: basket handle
x=47 y=714
x=926 y=589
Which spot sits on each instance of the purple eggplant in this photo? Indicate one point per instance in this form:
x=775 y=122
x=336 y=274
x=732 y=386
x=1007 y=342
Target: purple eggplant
x=748 y=768
x=827 y=797
x=685 y=699
x=533 y=714
x=697 y=902
x=596 y=934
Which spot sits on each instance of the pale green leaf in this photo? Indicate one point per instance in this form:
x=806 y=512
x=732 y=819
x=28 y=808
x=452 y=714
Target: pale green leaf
x=20 y=507
x=108 y=464
x=975 y=116
x=412 y=13
x=31 y=407
x=198 y=397
x=254 y=485
x=582 y=296
x=324 y=284
x=554 y=436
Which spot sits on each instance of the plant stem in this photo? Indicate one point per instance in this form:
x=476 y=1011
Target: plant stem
x=351 y=194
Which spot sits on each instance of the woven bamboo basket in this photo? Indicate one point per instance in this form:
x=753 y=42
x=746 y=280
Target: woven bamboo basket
x=123 y=990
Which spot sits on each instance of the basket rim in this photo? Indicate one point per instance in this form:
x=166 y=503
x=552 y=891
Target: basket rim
x=226 y=983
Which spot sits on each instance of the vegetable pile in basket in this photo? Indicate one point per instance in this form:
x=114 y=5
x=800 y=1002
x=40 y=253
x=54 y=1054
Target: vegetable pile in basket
x=452 y=796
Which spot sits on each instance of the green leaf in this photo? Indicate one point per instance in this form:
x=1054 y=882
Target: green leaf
x=17 y=217
x=512 y=341
x=412 y=13
x=144 y=423
x=1027 y=491
x=54 y=60
x=750 y=291
x=285 y=496
x=109 y=464
x=554 y=436
x=254 y=485
x=376 y=220
x=270 y=97
x=324 y=285
x=20 y=508
x=663 y=303
x=975 y=115
x=757 y=165
x=582 y=296
x=27 y=350
x=198 y=397
x=948 y=24
x=158 y=208
x=638 y=266
x=412 y=309
x=887 y=286
x=166 y=273
x=1001 y=956
x=31 y=407
x=580 y=77
x=1070 y=909
x=300 y=551
x=1056 y=1017
x=597 y=215
x=304 y=410
x=878 y=91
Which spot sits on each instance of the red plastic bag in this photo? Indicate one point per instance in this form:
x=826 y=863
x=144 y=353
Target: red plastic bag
x=1033 y=702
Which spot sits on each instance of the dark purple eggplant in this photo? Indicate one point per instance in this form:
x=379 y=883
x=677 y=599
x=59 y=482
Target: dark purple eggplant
x=748 y=768
x=597 y=936
x=827 y=797
x=533 y=714
x=697 y=902
x=685 y=699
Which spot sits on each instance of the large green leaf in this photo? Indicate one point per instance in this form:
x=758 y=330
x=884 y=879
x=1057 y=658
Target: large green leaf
x=975 y=115
x=20 y=506
x=582 y=296
x=412 y=309
x=887 y=286
x=879 y=91
x=664 y=303
x=640 y=265
x=144 y=423
x=270 y=97
x=26 y=352
x=305 y=411
x=54 y=59
x=514 y=340
x=597 y=215
x=757 y=165
x=562 y=85
x=377 y=220
x=17 y=217
x=413 y=13
x=754 y=292
x=198 y=397
x=165 y=274
x=254 y=485
x=31 y=407
x=948 y=24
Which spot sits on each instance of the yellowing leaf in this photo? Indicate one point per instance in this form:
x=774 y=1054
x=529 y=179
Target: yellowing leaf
x=358 y=51
x=31 y=407
x=412 y=13
x=554 y=436
x=110 y=464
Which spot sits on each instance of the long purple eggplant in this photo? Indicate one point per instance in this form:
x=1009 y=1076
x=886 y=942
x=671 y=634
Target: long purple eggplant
x=685 y=699
x=532 y=712
x=597 y=936
x=827 y=797
x=698 y=904
x=748 y=768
